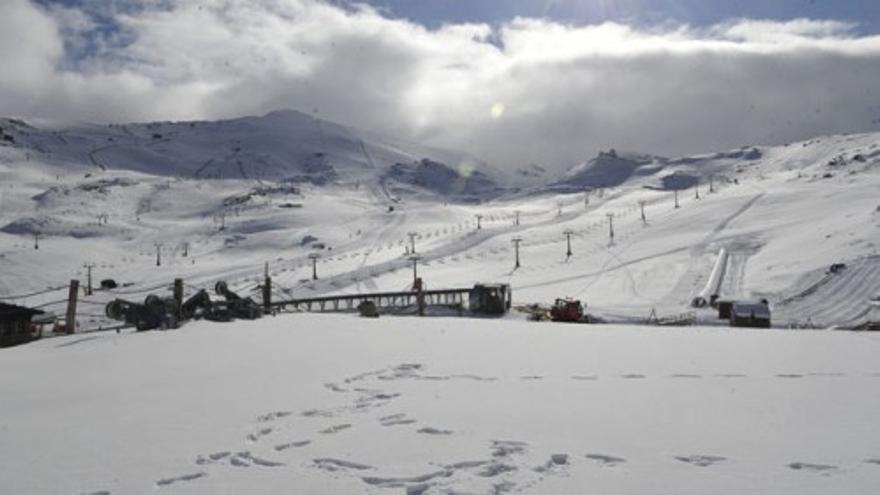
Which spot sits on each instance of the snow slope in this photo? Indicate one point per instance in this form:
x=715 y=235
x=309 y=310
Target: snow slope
x=784 y=214
x=338 y=404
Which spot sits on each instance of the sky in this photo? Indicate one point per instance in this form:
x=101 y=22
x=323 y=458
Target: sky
x=514 y=82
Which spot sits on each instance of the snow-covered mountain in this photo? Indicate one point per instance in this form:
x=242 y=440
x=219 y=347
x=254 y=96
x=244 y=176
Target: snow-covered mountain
x=290 y=185
x=283 y=145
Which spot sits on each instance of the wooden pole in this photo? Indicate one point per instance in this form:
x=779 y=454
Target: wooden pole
x=267 y=290
x=610 y=226
x=178 y=298
x=516 y=241
x=88 y=267
x=72 y=294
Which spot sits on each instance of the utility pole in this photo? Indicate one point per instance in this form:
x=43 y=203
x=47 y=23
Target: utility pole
x=178 y=299
x=185 y=249
x=70 y=320
x=415 y=263
x=610 y=227
x=586 y=197
x=697 y=191
x=516 y=222
x=559 y=209
x=158 y=253
x=642 y=207
x=88 y=267
x=676 y=198
x=314 y=257
x=516 y=242
x=267 y=289
x=223 y=220
x=479 y=218
x=568 y=234
x=412 y=241
x=711 y=183
x=36 y=240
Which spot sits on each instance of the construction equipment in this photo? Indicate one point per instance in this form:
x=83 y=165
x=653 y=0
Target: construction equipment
x=570 y=310
x=155 y=312
x=237 y=306
x=161 y=312
x=198 y=306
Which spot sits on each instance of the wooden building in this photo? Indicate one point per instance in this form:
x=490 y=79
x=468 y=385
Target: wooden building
x=15 y=324
x=750 y=314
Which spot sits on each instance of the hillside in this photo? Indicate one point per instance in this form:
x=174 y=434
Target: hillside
x=784 y=214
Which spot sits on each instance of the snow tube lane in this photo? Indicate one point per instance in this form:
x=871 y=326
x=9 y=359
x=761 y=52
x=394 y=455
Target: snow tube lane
x=713 y=285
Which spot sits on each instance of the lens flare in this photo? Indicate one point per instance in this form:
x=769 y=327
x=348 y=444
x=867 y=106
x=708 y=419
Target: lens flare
x=497 y=110
x=466 y=168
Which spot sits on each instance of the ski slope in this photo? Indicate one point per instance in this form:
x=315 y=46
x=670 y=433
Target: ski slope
x=784 y=214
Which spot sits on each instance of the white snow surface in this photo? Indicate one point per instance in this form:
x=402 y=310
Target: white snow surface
x=338 y=404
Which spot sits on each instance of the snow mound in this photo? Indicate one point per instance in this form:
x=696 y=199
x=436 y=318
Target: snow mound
x=442 y=179
x=608 y=169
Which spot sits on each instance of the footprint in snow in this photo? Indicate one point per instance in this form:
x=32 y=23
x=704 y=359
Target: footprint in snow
x=335 y=429
x=434 y=431
x=272 y=416
x=555 y=461
x=317 y=413
x=396 y=419
x=701 y=460
x=606 y=460
x=496 y=468
x=212 y=458
x=391 y=482
x=817 y=468
x=334 y=387
x=186 y=477
x=290 y=445
x=506 y=448
x=331 y=464
x=255 y=436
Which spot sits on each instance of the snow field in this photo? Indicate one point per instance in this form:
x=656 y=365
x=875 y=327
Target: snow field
x=338 y=404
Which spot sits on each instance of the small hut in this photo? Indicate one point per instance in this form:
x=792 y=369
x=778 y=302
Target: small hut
x=750 y=314
x=15 y=324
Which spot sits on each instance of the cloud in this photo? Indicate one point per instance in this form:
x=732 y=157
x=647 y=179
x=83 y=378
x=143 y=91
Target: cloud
x=528 y=91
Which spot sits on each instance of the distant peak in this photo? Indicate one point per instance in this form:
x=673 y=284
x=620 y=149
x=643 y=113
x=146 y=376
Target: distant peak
x=287 y=113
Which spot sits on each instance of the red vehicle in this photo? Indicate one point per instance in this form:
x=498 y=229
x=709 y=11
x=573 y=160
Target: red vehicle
x=567 y=310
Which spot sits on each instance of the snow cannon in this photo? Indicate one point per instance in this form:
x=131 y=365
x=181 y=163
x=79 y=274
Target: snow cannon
x=569 y=310
x=198 y=306
x=155 y=312
x=237 y=306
